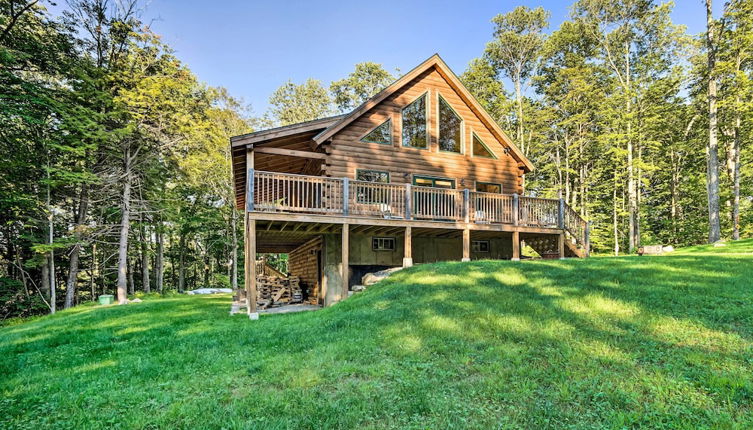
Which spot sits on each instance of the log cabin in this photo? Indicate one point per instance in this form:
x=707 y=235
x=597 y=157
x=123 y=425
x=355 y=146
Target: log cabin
x=418 y=173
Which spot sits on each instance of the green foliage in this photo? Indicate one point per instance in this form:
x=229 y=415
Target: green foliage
x=630 y=342
x=365 y=81
x=16 y=301
x=293 y=103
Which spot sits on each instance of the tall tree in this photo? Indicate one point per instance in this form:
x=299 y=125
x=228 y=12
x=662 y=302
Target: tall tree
x=293 y=103
x=366 y=80
x=518 y=39
x=712 y=147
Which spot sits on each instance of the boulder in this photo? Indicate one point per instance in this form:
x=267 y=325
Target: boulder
x=373 y=278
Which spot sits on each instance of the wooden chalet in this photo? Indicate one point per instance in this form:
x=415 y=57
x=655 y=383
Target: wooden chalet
x=418 y=173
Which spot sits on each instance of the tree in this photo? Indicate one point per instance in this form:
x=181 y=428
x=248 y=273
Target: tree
x=293 y=103
x=712 y=148
x=515 y=50
x=366 y=80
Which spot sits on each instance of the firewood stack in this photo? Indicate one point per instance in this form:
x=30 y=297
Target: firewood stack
x=275 y=291
x=271 y=291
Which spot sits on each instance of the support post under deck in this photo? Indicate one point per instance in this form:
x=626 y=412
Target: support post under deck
x=408 y=248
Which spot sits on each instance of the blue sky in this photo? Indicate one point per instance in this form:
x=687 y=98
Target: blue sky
x=252 y=47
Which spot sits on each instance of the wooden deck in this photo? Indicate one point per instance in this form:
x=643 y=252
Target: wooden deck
x=301 y=198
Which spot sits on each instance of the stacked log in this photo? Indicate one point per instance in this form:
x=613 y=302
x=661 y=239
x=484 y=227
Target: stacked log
x=275 y=291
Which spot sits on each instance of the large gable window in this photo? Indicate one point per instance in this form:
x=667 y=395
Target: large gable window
x=450 y=128
x=480 y=149
x=381 y=134
x=414 y=124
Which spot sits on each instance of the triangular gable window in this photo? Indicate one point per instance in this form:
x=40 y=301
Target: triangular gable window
x=381 y=134
x=480 y=149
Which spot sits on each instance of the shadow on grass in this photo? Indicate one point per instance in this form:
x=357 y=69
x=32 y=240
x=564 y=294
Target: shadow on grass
x=618 y=342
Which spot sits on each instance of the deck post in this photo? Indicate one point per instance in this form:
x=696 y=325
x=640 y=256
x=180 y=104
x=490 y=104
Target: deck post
x=466 y=244
x=408 y=248
x=250 y=272
x=561 y=214
x=466 y=205
x=346 y=196
x=561 y=245
x=250 y=180
x=515 y=208
x=408 y=197
x=345 y=262
x=515 y=246
x=587 y=245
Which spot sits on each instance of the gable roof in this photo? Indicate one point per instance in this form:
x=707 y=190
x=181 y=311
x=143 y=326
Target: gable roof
x=283 y=131
x=452 y=79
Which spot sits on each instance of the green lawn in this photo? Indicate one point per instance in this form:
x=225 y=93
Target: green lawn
x=630 y=342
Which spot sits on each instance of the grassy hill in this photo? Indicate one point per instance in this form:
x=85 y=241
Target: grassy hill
x=659 y=342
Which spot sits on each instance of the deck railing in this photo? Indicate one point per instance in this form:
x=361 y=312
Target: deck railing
x=284 y=192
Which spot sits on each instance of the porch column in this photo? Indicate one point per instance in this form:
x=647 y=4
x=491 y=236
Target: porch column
x=466 y=245
x=408 y=248
x=250 y=263
x=561 y=245
x=345 y=264
x=516 y=246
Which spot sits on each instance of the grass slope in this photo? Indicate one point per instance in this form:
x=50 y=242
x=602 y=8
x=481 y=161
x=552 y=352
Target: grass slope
x=657 y=342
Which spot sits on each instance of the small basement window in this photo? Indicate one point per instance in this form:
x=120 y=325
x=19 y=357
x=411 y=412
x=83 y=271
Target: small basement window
x=480 y=246
x=383 y=243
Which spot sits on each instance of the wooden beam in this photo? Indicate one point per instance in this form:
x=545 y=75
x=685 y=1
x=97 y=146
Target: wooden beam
x=466 y=245
x=250 y=262
x=345 y=262
x=515 y=246
x=561 y=245
x=290 y=153
x=353 y=220
x=408 y=248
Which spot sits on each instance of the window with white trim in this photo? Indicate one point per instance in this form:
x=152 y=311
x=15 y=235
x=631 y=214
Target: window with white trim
x=383 y=243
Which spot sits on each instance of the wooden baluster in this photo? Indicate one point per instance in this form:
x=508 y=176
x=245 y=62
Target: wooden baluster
x=346 y=196
x=408 y=209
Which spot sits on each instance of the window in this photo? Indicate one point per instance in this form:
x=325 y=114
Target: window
x=480 y=246
x=450 y=128
x=414 y=124
x=383 y=243
x=373 y=176
x=488 y=187
x=381 y=134
x=426 y=181
x=480 y=149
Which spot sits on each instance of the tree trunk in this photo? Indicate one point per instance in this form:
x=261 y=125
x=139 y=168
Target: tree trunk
x=181 y=264
x=735 y=161
x=73 y=266
x=145 y=281
x=125 y=225
x=159 y=262
x=614 y=215
x=93 y=271
x=712 y=157
x=131 y=284
x=519 y=103
x=632 y=203
x=234 y=250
